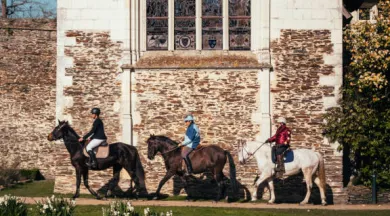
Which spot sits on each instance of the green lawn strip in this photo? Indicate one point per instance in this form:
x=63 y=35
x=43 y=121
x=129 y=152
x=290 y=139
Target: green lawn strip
x=201 y=211
x=33 y=189
x=45 y=189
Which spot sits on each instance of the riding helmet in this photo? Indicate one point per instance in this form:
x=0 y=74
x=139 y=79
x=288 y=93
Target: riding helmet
x=95 y=111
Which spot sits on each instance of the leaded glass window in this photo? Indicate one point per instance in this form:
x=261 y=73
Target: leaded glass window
x=177 y=23
x=239 y=24
x=212 y=24
x=185 y=29
x=157 y=24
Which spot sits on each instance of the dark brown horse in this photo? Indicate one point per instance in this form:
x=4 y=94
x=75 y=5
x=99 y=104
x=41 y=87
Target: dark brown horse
x=210 y=158
x=121 y=156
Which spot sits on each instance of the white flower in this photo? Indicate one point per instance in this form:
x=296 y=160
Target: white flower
x=146 y=211
x=131 y=209
x=52 y=197
x=45 y=207
x=73 y=202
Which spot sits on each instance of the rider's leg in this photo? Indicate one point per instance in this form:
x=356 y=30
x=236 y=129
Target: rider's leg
x=185 y=155
x=92 y=157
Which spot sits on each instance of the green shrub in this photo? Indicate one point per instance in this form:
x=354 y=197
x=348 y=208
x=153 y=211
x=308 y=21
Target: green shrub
x=10 y=205
x=31 y=174
x=56 y=206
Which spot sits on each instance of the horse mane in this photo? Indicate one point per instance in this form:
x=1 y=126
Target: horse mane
x=72 y=131
x=166 y=140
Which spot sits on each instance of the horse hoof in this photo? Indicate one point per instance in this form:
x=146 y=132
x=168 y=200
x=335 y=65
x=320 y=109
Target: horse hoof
x=99 y=198
x=271 y=203
x=324 y=204
x=302 y=203
x=215 y=202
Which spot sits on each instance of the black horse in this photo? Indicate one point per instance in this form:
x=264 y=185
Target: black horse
x=210 y=158
x=121 y=156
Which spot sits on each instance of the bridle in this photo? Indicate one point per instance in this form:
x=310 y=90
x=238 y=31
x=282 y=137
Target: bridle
x=58 y=129
x=250 y=155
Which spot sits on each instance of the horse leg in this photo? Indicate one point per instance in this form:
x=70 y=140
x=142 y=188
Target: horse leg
x=85 y=179
x=322 y=190
x=115 y=179
x=307 y=173
x=218 y=176
x=271 y=190
x=134 y=179
x=162 y=182
x=185 y=185
x=264 y=176
x=78 y=182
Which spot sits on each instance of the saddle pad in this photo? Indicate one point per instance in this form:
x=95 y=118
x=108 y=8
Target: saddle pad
x=288 y=156
x=100 y=151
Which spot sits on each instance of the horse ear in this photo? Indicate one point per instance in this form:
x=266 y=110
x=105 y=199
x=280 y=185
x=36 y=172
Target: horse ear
x=59 y=122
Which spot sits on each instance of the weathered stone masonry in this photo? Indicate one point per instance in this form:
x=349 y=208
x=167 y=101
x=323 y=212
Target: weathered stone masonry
x=298 y=95
x=222 y=100
x=27 y=92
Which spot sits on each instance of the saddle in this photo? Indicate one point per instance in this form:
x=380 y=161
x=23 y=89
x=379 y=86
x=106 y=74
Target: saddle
x=102 y=151
x=288 y=155
x=199 y=147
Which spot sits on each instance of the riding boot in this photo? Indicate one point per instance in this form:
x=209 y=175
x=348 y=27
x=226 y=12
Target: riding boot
x=189 y=165
x=280 y=166
x=92 y=160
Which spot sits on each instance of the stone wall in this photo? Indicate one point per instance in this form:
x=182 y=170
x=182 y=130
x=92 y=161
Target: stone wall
x=95 y=83
x=299 y=95
x=27 y=92
x=222 y=101
x=363 y=195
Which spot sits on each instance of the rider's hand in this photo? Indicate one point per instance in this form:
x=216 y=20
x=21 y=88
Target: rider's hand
x=80 y=139
x=179 y=145
x=266 y=141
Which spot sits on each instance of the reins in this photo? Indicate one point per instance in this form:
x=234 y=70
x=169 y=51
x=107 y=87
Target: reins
x=250 y=154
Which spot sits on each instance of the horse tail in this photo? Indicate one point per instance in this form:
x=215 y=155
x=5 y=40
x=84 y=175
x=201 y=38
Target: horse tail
x=321 y=171
x=232 y=171
x=139 y=171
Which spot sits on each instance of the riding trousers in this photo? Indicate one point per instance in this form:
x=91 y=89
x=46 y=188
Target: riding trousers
x=94 y=143
x=186 y=151
x=280 y=148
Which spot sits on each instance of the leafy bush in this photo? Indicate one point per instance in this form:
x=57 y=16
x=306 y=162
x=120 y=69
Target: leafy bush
x=361 y=124
x=30 y=174
x=121 y=208
x=10 y=205
x=56 y=206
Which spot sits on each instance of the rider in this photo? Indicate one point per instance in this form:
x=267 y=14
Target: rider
x=191 y=141
x=97 y=138
x=282 y=139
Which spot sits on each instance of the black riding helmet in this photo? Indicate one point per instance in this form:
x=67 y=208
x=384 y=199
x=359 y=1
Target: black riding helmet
x=95 y=111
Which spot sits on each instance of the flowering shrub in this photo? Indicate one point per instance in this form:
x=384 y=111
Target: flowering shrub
x=56 y=206
x=121 y=208
x=361 y=123
x=10 y=205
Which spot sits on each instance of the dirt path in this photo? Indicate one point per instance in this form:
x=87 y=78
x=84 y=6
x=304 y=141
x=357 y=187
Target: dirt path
x=83 y=201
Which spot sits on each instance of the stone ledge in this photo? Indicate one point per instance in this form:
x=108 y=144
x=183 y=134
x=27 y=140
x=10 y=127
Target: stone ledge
x=197 y=62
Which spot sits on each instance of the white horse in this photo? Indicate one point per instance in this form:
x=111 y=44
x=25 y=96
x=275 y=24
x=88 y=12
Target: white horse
x=309 y=162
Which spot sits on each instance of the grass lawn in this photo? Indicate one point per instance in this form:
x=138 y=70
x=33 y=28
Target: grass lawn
x=186 y=211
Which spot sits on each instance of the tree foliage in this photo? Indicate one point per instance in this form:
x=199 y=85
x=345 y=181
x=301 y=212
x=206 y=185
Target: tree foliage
x=362 y=121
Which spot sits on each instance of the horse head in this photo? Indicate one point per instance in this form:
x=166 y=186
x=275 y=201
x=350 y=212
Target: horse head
x=243 y=153
x=152 y=147
x=58 y=131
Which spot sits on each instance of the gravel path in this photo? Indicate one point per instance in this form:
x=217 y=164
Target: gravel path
x=84 y=201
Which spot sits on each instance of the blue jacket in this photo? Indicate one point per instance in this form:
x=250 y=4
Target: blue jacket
x=192 y=136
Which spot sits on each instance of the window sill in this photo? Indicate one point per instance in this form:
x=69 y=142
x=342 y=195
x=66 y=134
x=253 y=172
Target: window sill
x=197 y=60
